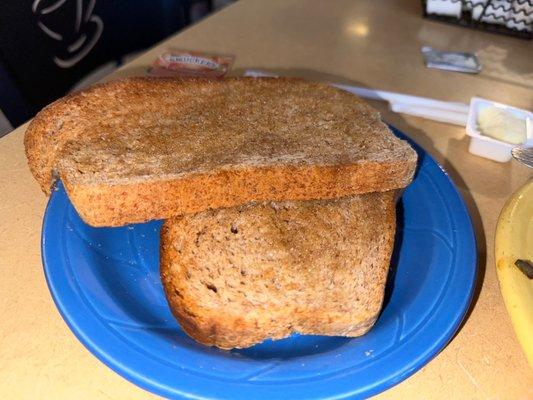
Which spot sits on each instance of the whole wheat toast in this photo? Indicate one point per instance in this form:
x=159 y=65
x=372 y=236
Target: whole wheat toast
x=235 y=277
x=150 y=148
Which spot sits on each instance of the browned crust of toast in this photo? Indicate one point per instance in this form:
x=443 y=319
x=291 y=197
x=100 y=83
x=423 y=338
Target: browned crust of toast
x=226 y=327
x=116 y=205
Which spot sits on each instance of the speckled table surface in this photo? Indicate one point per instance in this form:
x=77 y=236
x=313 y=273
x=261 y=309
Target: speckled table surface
x=362 y=43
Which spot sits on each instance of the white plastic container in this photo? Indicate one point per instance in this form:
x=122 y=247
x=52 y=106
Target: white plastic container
x=488 y=147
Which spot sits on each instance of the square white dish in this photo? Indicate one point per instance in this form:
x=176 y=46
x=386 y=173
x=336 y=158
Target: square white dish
x=486 y=146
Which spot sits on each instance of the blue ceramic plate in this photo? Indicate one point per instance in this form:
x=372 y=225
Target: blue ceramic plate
x=105 y=283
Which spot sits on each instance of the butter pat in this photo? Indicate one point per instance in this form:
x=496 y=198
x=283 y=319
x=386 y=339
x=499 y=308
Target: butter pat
x=501 y=124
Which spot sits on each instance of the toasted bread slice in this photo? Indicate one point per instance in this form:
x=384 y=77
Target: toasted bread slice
x=237 y=276
x=141 y=149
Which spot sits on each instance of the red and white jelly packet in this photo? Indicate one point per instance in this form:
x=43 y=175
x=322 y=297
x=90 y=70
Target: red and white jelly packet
x=174 y=62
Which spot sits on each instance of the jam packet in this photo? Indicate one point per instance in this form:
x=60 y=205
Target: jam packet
x=175 y=62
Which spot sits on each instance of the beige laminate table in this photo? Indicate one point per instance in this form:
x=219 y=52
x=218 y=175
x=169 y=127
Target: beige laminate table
x=368 y=43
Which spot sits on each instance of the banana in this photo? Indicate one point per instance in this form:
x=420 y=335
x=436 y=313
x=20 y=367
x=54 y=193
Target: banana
x=514 y=241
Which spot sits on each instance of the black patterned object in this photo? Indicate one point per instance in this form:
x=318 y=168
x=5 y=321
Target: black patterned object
x=507 y=17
